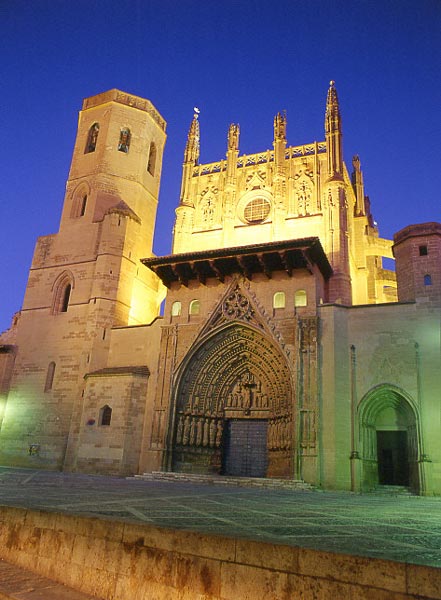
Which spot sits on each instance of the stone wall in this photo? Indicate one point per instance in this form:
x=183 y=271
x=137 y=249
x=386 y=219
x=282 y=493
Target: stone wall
x=125 y=561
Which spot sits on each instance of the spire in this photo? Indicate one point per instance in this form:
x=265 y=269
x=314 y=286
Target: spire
x=280 y=126
x=333 y=133
x=191 y=154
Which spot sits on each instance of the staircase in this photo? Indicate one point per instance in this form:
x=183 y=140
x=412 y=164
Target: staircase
x=225 y=480
x=392 y=490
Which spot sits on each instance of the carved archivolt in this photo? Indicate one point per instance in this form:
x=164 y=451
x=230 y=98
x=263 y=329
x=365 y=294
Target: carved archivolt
x=237 y=370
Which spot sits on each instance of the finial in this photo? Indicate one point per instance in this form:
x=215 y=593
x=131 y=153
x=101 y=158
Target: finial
x=196 y=112
x=332 y=83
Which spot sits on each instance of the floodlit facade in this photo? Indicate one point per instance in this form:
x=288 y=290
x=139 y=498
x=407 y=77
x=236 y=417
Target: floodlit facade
x=284 y=349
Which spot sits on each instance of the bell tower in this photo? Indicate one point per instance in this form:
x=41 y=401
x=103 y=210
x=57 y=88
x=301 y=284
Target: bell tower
x=117 y=157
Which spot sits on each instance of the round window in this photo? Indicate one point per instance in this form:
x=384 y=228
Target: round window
x=257 y=210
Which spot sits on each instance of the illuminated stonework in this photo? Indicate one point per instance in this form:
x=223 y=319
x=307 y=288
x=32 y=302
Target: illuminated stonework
x=281 y=350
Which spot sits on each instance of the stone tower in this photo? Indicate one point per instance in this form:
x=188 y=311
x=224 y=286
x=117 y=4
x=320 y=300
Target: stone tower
x=87 y=278
x=417 y=251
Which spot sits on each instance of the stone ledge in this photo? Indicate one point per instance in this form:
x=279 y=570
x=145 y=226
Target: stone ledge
x=114 y=560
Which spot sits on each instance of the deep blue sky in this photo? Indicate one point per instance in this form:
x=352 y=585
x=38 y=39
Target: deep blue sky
x=239 y=62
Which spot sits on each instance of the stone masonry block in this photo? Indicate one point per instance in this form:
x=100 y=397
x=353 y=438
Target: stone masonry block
x=282 y=558
x=252 y=583
x=377 y=573
x=198 y=575
x=425 y=581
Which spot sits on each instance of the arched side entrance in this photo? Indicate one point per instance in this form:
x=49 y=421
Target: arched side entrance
x=389 y=435
x=234 y=407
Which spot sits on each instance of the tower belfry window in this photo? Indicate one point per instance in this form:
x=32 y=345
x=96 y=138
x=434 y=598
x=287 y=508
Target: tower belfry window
x=92 y=138
x=124 y=140
x=152 y=159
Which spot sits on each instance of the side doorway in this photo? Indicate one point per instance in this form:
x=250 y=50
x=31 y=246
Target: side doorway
x=392 y=457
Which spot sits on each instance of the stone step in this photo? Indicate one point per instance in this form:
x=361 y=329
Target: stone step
x=393 y=490
x=225 y=480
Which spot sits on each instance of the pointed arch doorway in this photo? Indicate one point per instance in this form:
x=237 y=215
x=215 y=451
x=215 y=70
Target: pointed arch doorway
x=234 y=407
x=390 y=439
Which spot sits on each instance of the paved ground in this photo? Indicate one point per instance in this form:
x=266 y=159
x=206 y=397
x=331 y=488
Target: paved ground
x=406 y=529
x=17 y=583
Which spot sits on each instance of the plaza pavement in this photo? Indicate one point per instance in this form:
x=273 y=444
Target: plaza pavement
x=399 y=528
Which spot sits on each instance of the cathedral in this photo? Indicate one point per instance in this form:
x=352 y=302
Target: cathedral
x=271 y=342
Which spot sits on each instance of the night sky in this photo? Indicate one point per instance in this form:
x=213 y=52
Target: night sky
x=238 y=62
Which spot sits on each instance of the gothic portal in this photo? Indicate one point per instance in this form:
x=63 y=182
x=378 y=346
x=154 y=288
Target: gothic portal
x=235 y=406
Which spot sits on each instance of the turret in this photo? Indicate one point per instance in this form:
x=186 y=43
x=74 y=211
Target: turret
x=357 y=184
x=185 y=211
x=191 y=157
x=417 y=251
x=333 y=133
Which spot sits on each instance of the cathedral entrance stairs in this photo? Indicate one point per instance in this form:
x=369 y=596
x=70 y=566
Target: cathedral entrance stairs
x=225 y=480
x=392 y=490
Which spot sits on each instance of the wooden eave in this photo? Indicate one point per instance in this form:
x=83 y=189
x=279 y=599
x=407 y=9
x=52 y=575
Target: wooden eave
x=247 y=260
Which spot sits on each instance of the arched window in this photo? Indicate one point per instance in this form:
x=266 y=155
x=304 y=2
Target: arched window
x=124 y=140
x=427 y=280
x=92 y=138
x=62 y=292
x=279 y=300
x=151 y=163
x=79 y=201
x=83 y=205
x=176 y=309
x=105 y=415
x=65 y=298
x=194 y=308
x=49 y=377
x=300 y=298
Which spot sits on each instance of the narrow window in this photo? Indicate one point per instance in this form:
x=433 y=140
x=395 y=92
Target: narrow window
x=427 y=280
x=65 y=298
x=194 y=308
x=105 y=415
x=49 y=377
x=176 y=309
x=92 y=138
x=83 y=205
x=62 y=291
x=152 y=159
x=124 y=140
x=300 y=298
x=423 y=250
x=279 y=300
